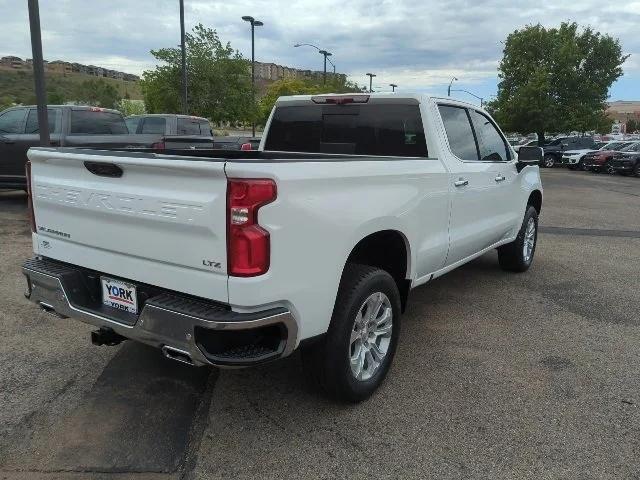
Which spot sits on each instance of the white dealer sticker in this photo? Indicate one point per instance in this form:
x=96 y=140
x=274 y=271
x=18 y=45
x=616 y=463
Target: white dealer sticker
x=119 y=295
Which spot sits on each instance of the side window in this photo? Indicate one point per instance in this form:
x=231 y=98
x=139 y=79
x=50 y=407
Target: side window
x=11 y=121
x=154 y=125
x=32 y=121
x=132 y=124
x=492 y=145
x=459 y=132
x=205 y=129
x=187 y=126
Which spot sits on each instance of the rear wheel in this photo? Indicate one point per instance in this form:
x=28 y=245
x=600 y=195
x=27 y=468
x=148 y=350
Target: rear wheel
x=517 y=256
x=609 y=168
x=549 y=160
x=353 y=359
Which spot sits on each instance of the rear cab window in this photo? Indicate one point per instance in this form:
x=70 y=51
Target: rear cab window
x=376 y=129
x=154 y=125
x=97 y=122
x=189 y=126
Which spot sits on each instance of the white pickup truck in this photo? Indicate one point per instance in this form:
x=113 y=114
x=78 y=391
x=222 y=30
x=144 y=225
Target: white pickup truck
x=311 y=242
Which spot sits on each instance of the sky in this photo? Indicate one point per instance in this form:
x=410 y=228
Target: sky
x=418 y=45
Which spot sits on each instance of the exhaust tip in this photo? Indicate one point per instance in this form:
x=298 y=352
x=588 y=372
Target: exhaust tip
x=177 y=355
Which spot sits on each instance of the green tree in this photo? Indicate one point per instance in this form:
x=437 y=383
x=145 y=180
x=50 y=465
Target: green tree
x=632 y=125
x=555 y=79
x=297 y=86
x=97 y=93
x=131 y=107
x=55 y=97
x=219 y=79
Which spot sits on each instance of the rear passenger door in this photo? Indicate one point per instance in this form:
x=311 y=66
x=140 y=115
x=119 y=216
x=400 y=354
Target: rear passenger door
x=479 y=180
x=11 y=154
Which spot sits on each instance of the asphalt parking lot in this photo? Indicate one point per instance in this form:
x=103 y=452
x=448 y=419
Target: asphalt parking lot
x=497 y=375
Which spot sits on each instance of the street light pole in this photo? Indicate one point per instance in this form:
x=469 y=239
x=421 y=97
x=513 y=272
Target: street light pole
x=183 y=48
x=323 y=53
x=393 y=87
x=450 y=83
x=38 y=73
x=324 y=72
x=254 y=23
x=371 y=75
x=472 y=94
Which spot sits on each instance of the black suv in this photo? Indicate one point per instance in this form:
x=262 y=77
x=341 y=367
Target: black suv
x=553 y=150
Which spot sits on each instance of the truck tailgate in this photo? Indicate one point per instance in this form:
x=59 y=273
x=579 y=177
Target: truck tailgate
x=162 y=221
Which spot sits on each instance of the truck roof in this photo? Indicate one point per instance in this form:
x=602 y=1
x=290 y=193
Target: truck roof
x=374 y=97
x=167 y=115
x=72 y=107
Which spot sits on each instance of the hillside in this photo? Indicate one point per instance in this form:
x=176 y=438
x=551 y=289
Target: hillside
x=18 y=85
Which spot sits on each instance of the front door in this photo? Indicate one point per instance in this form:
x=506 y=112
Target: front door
x=481 y=176
x=11 y=128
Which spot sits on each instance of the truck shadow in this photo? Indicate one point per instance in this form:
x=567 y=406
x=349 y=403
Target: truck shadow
x=137 y=417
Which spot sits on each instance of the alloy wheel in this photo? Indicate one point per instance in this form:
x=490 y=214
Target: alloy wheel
x=370 y=336
x=529 y=240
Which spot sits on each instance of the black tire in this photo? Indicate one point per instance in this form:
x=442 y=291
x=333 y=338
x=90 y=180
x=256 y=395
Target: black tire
x=548 y=161
x=608 y=168
x=328 y=361
x=511 y=256
x=636 y=169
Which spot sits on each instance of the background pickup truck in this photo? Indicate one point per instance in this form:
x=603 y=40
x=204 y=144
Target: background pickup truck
x=312 y=242
x=74 y=126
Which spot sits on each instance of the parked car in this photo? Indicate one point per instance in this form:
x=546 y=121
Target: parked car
x=573 y=159
x=627 y=162
x=601 y=161
x=233 y=142
x=554 y=150
x=526 y=143
x=69 y=126
x=312 y=243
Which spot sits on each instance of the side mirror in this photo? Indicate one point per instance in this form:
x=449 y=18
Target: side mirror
x=529 y=156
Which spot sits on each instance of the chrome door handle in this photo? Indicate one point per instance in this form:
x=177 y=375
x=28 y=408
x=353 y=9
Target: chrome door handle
x=500 y=178
x=461 y=183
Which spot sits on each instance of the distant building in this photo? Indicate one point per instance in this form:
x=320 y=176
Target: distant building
x=624 y=110
x=58 y=66
x=272 y=72
x=12 y=62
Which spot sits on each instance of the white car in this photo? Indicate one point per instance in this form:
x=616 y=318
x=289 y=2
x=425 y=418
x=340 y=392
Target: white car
x=573 y=158
x=313 y=242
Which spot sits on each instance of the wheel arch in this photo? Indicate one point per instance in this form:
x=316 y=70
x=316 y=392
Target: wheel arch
x=535 y=200
x=388 y=250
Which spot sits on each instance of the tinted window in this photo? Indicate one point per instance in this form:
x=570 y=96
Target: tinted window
x=132 y=124
x=205 y=128
x=634 y=147
x=491 y=144
x=154 y=125
x=459 y=133
x=89 y=122
x=393 y=130
x=11 y=121
x=187 y=126
x=32 y=121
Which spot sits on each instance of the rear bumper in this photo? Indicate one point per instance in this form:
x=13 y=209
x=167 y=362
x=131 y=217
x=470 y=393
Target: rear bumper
x=186 y=329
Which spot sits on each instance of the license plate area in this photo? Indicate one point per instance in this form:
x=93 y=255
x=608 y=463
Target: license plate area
x=119 y=295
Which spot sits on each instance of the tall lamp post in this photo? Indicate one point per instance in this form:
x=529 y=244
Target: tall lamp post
x=371 y=75
x=325 y=54
x=38 y=73
x=454 y=79
x=254 y=23
x=183 y=48
x=393 y=87
x=469 y=93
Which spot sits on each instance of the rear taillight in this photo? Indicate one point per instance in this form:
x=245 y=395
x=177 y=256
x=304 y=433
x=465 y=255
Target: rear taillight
x=248 y=246
x=245 y=146
x=32 y=216
x=158 y=146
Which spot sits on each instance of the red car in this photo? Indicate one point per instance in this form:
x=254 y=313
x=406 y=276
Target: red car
x=602 y=160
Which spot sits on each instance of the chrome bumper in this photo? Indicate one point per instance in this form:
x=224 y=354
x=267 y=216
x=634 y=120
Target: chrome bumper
x=178 y=325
